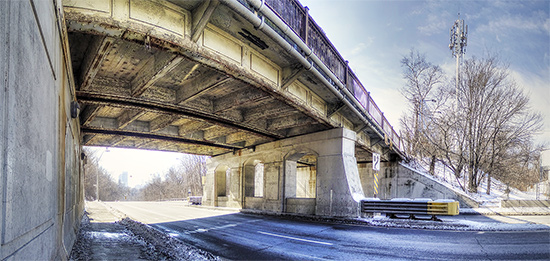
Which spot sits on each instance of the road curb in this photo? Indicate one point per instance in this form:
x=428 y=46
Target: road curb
x=504 y=212
x=407 y=223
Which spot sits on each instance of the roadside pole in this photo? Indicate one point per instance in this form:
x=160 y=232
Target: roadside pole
x=376 y=168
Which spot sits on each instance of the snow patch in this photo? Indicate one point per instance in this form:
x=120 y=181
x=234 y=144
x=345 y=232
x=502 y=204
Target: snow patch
x=107 y=235
x=445 y=176
x=456 y=225
x=168 y=246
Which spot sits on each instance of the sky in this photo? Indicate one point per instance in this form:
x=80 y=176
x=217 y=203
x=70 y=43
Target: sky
x=374 y=35
x=141 y=165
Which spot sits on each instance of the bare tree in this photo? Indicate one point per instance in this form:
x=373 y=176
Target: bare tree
x=94 y=175
x=499 y=121
x=194 y=169
x=488 y=132
x=422 y=80
x=178 y=181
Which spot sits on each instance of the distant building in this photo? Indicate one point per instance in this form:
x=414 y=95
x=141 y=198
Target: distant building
x=123 y=179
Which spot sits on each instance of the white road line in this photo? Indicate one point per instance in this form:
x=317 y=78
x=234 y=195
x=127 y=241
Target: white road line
x=202 y=230
x=295 y=238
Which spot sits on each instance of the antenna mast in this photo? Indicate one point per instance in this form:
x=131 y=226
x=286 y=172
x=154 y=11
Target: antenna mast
x=458 y=35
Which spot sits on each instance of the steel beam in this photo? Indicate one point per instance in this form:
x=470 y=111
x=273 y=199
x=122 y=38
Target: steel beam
x=201 y=16
x=156 y=67
x=156 y=137
x=163 y=108
x=96 y=53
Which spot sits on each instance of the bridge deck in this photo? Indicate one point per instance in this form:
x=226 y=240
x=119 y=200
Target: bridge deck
x=195 y=77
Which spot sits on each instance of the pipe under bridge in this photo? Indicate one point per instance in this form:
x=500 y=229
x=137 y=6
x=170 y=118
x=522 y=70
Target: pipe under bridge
x=211 y=77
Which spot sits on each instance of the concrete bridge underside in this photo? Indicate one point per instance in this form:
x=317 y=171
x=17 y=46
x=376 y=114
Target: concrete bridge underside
x=195 y=77
x=204 y=77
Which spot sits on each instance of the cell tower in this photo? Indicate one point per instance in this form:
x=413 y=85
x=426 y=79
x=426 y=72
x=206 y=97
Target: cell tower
x=458 y=34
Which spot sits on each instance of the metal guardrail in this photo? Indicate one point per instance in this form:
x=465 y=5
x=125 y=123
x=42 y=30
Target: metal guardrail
x=304 y=26
x=411 y=207
x=195 y=200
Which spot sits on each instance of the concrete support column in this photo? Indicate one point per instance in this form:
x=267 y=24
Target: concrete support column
x=331 y=154
x=338 y=185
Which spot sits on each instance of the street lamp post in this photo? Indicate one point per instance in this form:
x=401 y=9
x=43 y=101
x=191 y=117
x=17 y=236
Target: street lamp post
x=541 y=171
x=97 y=175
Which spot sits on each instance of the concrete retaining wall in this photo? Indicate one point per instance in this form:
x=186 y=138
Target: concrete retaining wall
x=41 y=181
x=525 y=203
x=301 y=206
x=399 y=181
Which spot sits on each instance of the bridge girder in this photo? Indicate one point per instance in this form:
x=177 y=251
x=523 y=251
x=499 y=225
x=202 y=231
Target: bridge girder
x=191 y=77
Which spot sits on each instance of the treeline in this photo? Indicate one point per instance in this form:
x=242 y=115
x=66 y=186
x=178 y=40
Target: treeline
x=181 y=181
x=480 y=125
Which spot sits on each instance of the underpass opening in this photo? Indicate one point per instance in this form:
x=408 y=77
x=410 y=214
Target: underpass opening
x=306 y=176
x=253 y=170
x=122 y=174
x=222 y=175
x=300 y=182
x=254 y=178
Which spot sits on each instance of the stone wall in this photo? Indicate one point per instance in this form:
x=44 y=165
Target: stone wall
x=337 y=185
x=525 y=203
x=41 y=178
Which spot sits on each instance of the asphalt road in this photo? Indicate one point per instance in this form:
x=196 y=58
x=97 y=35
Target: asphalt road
x=234 y=235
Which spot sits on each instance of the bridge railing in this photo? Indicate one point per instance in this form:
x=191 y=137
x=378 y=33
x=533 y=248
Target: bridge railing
x=297 y=18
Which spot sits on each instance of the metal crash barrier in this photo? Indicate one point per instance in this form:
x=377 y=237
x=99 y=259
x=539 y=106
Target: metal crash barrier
x=411 y=207
x=195 y=200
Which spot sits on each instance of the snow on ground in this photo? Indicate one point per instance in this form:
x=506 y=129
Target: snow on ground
x=166 y=245
x=446 y=177
x=104 y=241
x=450 y=224
x=102 y=237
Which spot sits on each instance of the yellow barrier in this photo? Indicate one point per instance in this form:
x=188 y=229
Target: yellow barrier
x=411 y=207
x=443 y=208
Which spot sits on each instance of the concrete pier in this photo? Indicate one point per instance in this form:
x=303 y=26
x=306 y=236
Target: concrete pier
x=310 y=174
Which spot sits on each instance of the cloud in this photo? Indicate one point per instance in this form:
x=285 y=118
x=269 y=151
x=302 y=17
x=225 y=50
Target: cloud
x=434 y=24
x=536 y=87
x=434 y=18
x=360 y=47
x=536 y=23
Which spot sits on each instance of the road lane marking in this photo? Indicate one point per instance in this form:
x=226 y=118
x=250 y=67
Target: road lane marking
x=295 y=238
x=202 y=230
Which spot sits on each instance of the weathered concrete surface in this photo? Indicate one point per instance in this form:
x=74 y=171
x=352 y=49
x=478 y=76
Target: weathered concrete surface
x=340 y=181
x=41 y=190
x=525 y=203
x=399 y=181
x=330 y=153
x=184 y=76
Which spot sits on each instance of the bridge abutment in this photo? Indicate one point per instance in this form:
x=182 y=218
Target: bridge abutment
x=41 y=177
x=313 y=174
x=397 y=180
